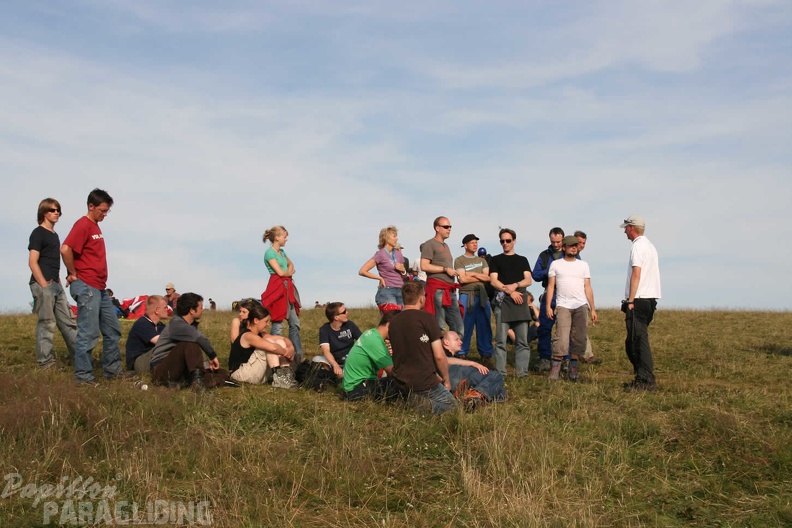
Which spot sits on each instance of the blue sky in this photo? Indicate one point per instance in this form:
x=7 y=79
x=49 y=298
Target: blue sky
x=209 y=122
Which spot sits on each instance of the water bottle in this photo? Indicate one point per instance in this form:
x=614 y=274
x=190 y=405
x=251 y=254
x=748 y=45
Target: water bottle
x=140 y=384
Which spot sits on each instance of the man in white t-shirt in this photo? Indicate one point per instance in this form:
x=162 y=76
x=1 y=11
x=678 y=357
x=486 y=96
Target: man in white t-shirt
x=570 y=279
x=641 y=294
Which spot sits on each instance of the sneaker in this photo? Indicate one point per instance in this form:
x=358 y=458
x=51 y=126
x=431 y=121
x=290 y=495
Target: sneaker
x=231 y=383
x=472 y=400
x=90 y=384
x=555 y=370
x=461 y=389
x=565 y=366
x=283 y=378
x=572 y=372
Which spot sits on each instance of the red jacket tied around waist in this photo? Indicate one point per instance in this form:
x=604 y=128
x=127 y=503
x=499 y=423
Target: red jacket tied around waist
x=278 y=296
x=432 y=285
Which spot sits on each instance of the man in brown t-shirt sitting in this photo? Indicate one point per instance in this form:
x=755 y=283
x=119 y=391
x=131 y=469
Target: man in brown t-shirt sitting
x=419 y=362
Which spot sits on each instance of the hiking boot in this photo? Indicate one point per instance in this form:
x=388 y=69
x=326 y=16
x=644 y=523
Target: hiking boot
x=283 y=378
x=565 y=366
x=555 y=370
x=545 y=365
x=572 y=372
x=291 y=381
x=472 y=400
x=461 y=390
x=196 y=381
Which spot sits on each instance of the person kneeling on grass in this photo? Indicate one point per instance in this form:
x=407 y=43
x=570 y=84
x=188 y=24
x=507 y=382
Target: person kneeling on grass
x=473 y=384
x=176 y=359
x=368 y=356
x=336 y=337
x=255 y=352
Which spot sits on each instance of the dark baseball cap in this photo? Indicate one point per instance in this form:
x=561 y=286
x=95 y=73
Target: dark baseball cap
x=469 y=238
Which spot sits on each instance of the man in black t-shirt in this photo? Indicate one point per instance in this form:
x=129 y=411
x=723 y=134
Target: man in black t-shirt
x=49 y=297
x=510 y=275
x=336 y=337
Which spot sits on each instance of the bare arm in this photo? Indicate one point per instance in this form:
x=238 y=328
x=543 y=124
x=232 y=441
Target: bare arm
x=234 y=329
x=441 y=362
x=33 y=263
x=67 y=254
x=267 y=345
x=428 y=267
x=590 y=299
x=467 y=363
x=549 y=296
x=330 y=359
x=277 y=269
x=365 y=271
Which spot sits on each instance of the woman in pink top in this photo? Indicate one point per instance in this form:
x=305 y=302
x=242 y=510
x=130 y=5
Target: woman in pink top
x=390 y=265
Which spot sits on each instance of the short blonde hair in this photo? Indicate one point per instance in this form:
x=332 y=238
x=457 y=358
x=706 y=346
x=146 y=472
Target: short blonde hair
x=384 y=233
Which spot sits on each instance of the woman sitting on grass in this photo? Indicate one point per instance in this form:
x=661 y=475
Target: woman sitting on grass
x=254 y=352
x=240 y=322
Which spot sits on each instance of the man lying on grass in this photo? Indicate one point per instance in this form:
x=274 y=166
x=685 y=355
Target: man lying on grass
x=473 y=384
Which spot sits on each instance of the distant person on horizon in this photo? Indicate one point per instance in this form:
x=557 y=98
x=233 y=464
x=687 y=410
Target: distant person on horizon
x=510 y=275
x=280 y=296
x=145 y=333
x=641 y=292
x=336 y=337
x=545 y=330
x=390 y=266
x=212 y=305
x=473 y=275
x=569 y=280
x=441 y=287
x=171 y=296
x=85 y=257
x=49 y=297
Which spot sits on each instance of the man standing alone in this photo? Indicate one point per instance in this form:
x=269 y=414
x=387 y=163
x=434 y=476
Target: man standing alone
x=49 y=298
x=85 y=257
x=569 y=279
x=641 y=293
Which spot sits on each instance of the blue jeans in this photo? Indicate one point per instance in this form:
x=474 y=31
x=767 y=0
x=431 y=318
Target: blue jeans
x=388 y=295
x=448 y=317
x=95 y=314
x=544 y=333
x=522 y=353
x=489 y=384
x=441 y=399
x=294 y=332
x=480 y=317
x=53 y=309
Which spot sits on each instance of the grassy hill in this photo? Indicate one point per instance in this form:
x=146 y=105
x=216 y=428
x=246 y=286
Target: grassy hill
x=712 y=447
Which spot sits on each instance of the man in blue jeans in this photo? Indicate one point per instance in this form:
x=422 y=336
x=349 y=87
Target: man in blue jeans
x=85 y=258
x=473 y=383
x=420 y=367
x=473 y=274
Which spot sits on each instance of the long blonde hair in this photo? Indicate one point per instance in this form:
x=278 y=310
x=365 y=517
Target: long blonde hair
x=384 y=233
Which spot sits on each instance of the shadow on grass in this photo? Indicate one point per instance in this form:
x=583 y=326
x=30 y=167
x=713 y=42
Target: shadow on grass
x=776 y=350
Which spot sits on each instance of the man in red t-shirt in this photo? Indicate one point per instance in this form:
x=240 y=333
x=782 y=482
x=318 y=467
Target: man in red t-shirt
x=85 y=258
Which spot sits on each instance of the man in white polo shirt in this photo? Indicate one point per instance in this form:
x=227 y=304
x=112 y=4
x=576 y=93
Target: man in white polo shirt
x=569 y=278
x=641 y=294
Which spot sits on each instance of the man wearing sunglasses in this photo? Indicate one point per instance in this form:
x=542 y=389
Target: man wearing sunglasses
x=510 y=276
x=49 y=298
x=85 y=257
x=441 y=286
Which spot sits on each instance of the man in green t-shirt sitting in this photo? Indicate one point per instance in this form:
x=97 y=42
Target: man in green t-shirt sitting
x=368 y=356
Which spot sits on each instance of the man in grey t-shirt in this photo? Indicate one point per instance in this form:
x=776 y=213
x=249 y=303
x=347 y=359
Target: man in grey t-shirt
x=441 y=286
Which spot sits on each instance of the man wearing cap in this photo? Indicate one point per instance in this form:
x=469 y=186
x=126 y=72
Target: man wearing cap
x=473 y=273
x=171 y=296
x=438 y=264
x=641 y=292
x=569 y=280
x=545 y=330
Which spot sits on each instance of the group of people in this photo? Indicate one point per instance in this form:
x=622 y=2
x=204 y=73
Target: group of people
x=420 y=347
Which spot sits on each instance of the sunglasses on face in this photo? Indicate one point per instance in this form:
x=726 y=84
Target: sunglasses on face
x=506 y=241
x=55 y=210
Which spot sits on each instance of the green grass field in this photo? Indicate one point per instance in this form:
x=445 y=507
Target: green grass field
x=712 y=447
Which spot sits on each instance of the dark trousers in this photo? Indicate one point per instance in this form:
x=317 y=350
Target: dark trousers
x=637 y=343
x=180 y=361
x=544 y=333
